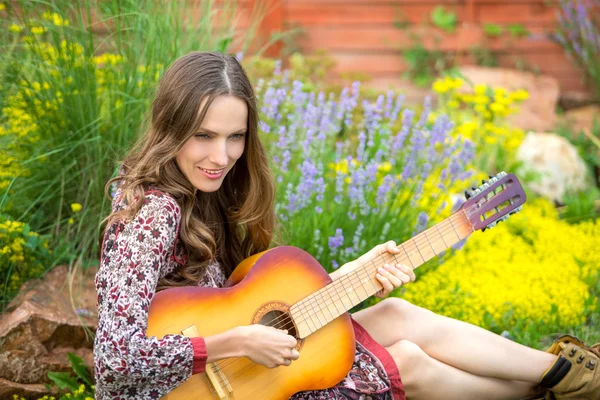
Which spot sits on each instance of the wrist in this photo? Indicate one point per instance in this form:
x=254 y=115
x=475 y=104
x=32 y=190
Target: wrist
x=240 y=336
x=228 y=344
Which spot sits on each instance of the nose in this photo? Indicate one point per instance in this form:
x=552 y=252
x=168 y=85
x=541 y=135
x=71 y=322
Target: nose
x=218 y=155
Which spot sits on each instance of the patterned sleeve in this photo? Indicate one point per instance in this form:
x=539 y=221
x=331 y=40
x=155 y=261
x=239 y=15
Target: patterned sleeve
x=128 y=364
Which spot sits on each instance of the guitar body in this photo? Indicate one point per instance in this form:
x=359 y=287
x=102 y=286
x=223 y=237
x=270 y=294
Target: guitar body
x=263 y=286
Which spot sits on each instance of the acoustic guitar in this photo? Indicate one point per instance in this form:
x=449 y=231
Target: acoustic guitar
x=287 y=288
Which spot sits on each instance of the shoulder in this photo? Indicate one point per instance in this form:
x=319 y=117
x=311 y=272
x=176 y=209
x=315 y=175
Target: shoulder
x=156 y=201
x=159 y=200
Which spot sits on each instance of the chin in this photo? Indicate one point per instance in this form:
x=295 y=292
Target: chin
x=208 y=187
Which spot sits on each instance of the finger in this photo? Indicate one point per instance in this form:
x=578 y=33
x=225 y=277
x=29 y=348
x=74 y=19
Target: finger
x=408 y=270
x=393 y=275
x=391 y=247
x=385 y=282
x=286 y=362
x=294 y=355
x=398 y=273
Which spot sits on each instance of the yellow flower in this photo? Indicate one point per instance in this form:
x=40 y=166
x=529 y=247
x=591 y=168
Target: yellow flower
x=71 y=221
x=59 y=21
x=498 y=108
x=520 y=95
x=38 y=30
x=76 y=207
x=385 y=167
x=481 y=99
x=453 y=104
x=15 y=28
x=480 y=108
x=480 y=89
x=2 y=6
x=440 y=86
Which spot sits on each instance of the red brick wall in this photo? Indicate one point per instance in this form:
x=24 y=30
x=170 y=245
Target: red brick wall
x=360 y=34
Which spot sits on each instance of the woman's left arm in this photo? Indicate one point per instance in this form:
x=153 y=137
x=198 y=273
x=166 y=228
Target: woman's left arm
x=391 y=276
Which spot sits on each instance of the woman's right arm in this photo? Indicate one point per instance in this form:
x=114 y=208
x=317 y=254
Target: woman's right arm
x=264 y=345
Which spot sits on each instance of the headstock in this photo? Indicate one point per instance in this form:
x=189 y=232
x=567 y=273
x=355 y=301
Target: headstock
x=494 y=201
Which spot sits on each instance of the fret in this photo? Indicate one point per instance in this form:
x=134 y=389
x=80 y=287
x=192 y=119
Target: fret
x=419 y=250
x=344 y=298
x=436 y=244
x=440 y=233
x=319 y=306
x=429 y=242
x=408 y=257
x=362 y=283
x=352 y=304
x=304 y=317
x=331 y=302
x=369 y=276
x=458 y=238
x=335 y=301
x=360 y=290
x=317 y=301
x=311 y=314
x=427 y=255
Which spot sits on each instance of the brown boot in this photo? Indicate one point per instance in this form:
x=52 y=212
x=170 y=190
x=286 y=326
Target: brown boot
x=574 y=375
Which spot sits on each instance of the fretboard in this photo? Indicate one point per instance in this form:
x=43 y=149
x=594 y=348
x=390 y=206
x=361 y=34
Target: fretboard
x=333 y=300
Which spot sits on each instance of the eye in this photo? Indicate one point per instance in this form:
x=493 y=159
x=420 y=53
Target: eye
x=202 y=135
x=237 y=136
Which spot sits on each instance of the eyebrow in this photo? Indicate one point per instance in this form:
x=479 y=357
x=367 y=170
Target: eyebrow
x=244 y=130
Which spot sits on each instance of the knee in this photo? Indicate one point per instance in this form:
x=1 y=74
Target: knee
x=407 y=355
x=412 y=363
x=393 y=307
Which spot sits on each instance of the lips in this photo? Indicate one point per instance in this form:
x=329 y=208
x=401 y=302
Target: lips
x=213 y=171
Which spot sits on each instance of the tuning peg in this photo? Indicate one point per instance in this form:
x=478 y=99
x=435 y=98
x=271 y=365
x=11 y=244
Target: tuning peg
x=467 y=194
x=483 y=181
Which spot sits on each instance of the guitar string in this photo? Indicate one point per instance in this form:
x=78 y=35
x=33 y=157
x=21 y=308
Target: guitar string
x=411 y=245
x=250 y=366
x=285 y=320
x=361 y=270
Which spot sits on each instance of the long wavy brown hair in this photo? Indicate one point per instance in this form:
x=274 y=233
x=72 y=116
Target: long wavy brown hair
x=229 y=224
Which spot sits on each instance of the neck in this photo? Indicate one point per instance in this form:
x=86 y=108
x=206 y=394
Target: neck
x=333 y=300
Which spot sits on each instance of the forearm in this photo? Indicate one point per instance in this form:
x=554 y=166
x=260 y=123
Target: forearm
x=228 y=344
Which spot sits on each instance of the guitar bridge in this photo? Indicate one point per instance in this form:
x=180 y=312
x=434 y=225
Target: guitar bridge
x=213 y=374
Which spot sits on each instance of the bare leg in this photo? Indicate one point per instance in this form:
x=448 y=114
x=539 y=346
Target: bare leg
x=456 y=343
x=425 y=377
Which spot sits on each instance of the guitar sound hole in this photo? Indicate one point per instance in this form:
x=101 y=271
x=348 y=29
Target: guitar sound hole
x=280 y=320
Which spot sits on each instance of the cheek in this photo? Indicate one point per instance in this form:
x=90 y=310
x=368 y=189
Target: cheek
x=236 y=150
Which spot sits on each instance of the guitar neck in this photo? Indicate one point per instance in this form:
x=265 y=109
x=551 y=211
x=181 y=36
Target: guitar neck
x=333 y=300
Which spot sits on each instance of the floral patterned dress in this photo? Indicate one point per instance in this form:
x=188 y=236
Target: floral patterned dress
x=130 y=365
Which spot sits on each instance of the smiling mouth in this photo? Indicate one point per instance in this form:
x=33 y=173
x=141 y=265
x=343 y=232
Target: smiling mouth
x=213 y=171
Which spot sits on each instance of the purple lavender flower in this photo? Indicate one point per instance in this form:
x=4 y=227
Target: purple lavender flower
x=336 y=240
x=421 y=224
x=384 y=189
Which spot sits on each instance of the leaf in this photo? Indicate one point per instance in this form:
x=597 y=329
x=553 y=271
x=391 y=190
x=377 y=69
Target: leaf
x=443 y=19
x=492 y=30
x=64 y=380
x=80 y=368
x=223 y=44
x=518 y=30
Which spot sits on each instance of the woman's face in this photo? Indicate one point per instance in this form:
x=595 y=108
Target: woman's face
x=208 y=155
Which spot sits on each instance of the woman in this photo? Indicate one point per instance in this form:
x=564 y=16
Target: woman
x=196 y=198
